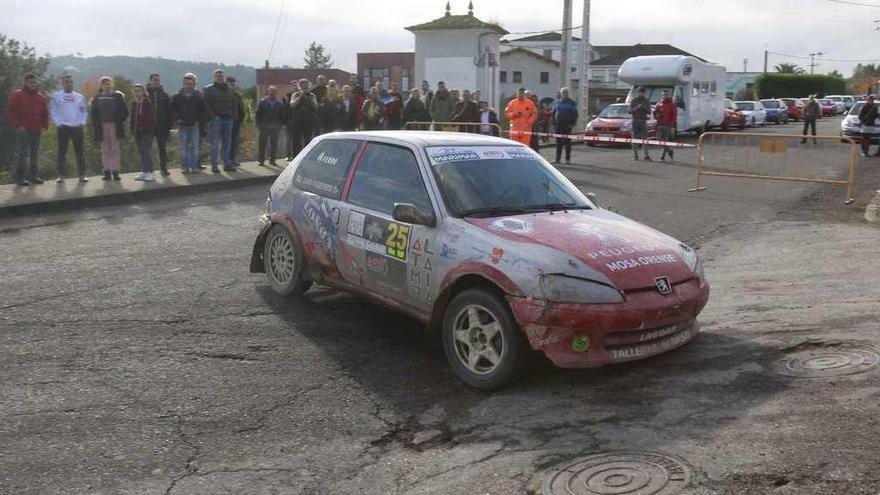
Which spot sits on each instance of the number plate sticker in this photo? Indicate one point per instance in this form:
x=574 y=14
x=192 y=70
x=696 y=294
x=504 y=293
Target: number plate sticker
x=378 y=235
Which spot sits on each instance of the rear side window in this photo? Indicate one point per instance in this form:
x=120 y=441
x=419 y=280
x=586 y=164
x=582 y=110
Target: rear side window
x=386 y=175
x=324 y=170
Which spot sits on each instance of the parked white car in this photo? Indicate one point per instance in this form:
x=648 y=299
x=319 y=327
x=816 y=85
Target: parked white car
x=847 y=100
x=839 y=105
x=753 y=111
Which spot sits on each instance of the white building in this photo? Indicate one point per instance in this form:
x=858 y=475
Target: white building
x=461 y=51
x=536 y=72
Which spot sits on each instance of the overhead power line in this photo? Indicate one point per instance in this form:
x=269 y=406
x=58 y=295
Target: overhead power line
x=801 y=57
x=547 y=31
x=277 y=29
x=860 y=4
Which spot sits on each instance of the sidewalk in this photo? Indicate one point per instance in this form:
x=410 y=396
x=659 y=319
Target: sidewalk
x=96 y=192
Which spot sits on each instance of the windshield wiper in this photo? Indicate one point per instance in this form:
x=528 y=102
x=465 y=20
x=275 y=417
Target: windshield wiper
x=558 y=207
x=496 y=210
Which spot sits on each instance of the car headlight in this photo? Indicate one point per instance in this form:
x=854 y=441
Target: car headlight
x=690 y=258
x=627 y=126
x=562 y=288
x=589 y=126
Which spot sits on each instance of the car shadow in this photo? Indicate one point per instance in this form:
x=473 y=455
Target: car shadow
x=683 y=394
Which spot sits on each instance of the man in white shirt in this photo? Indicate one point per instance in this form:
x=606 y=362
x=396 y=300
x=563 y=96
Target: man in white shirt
x=68 y=111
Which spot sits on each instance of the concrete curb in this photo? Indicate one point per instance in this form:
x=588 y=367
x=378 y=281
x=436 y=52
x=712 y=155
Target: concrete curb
x=128 y=197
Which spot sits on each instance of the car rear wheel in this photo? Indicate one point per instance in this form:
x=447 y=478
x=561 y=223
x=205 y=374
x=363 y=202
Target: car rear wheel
x=482 y=341
x=284 y=263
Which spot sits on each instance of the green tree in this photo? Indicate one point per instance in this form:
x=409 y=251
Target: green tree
x=316 y=58
x=17 y=59
x=835 y=73
x=788 y=68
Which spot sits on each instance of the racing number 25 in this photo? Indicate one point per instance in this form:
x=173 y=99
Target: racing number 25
x=397 y=240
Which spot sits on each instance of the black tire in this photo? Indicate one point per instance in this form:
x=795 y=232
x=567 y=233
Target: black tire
x=284 y=262
x=489 y=308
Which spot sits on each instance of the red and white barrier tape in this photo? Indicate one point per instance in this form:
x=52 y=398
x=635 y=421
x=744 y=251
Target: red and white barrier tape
x=603 y=139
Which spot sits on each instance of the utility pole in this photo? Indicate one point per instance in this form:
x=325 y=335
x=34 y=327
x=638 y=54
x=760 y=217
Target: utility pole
x=584 y=66
x=745 y=65
x=813 y=63
x=766 y=53
x=565 y=56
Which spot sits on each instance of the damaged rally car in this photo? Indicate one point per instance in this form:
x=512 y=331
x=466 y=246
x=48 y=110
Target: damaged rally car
x=483 y=241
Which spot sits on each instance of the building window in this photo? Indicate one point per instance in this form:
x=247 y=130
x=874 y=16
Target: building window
x=502 y=76
x=404 y=79
x=545 y=78
x=548 y=53
x=517 y=77
x=366 y=81
x=377 y=75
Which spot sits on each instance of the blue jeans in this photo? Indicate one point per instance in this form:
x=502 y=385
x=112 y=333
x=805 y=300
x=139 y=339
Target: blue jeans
x=145 y=146
x=220 y=135
x=28 y=145
x=189 y=146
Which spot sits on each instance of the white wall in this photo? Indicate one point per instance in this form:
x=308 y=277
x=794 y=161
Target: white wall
x=531 y=69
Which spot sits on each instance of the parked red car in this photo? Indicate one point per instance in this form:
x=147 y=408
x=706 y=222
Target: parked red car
x=615 y=121
x=827 y=107
x=733 y=117
x=795 y=108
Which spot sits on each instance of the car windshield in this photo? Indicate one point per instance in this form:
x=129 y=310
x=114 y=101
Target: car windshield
x=745 y=105
x=489 y=181
x=770 y=103
x=615 y=112
x=856 y=108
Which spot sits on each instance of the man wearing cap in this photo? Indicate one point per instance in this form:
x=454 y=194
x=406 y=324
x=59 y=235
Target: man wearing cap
x=811 y=113
x=867 y=116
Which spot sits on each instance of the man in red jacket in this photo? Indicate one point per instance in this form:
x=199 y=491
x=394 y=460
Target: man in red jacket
x=666 y=114
x=28 y=113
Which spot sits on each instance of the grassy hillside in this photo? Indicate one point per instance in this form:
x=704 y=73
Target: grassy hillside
x=138 y=68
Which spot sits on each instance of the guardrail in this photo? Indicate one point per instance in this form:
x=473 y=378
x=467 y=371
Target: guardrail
x=829 y=160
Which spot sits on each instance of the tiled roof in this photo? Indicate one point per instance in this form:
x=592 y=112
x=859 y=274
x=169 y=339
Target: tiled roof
x=467 y=21
x=618 y=54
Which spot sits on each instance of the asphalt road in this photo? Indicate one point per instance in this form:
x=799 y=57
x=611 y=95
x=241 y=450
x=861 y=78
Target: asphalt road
x=138 y=355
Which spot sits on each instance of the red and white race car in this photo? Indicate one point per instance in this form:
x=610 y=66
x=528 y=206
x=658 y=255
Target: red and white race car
x=484 y=241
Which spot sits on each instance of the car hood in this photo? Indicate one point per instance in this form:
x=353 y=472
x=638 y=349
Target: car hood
x=609 y=122
x=630 y=255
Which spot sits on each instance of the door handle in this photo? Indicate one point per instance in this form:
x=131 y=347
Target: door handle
x=334 y=215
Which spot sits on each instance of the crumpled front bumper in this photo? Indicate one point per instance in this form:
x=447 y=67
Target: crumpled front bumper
x=647 y=324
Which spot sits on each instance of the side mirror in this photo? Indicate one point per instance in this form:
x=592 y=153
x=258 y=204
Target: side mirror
x=594 y=199
x=410 y=213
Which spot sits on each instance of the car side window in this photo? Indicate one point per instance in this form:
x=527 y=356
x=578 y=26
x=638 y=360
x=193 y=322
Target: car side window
x=324 y=169
x=386 y=175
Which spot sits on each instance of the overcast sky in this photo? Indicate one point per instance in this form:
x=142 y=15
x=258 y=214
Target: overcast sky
x=241 y=31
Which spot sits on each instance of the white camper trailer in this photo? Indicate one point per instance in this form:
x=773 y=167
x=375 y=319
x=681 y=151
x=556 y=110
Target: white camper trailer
x=696 y=87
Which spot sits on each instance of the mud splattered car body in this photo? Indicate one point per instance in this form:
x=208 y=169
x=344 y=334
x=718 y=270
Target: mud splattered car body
x=419 y=220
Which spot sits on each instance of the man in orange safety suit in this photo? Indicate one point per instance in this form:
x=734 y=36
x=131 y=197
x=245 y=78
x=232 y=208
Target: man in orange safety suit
x=522 y=113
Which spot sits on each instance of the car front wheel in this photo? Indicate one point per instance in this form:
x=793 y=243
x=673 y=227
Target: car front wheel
x=284 y=262
x=482 y=341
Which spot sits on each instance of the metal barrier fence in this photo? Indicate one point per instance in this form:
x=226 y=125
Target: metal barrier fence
x=472 y=127
x=829 y=160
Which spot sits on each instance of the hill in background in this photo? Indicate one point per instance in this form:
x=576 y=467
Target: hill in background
x=139 y=68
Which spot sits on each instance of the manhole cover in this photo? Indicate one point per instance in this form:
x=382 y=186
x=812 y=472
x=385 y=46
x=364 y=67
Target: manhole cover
x=821 y=362
x=629 y=473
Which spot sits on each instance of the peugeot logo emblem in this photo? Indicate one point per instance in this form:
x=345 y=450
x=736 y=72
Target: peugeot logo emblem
x=663 y=286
